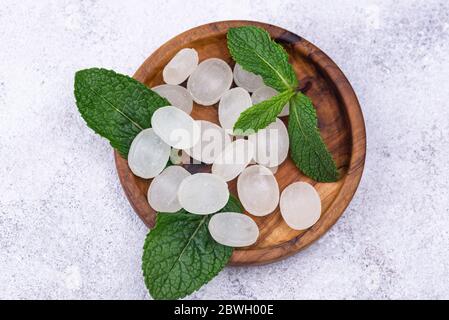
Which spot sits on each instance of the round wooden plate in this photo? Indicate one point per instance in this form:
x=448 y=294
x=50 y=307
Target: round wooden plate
x=340 y=120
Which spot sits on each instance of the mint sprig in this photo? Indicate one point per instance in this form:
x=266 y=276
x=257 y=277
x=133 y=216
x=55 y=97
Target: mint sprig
x=255 y=51
x=260 y=115
x=309 y=151
x=180 y=255
x=115 y=106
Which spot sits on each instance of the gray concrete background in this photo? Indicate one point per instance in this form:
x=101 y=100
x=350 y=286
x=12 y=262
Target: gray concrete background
x=66 y=228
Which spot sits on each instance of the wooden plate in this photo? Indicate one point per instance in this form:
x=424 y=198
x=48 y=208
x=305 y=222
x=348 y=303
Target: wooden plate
x=340 y=121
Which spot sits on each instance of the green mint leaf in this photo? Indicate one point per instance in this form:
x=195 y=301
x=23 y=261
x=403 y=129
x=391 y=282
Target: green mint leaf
x=115 y=106
x=180 y=255
x=254 y=50
x=233 y=205
x=262 y=114
x=307 y=148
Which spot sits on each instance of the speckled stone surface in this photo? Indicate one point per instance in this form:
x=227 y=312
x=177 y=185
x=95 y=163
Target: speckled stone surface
x=66 y=228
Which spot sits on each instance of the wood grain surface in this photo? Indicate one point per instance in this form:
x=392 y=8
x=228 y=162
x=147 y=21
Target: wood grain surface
x=340 y=121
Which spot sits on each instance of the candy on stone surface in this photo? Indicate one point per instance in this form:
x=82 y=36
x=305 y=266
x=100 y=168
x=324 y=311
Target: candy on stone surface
x=148 y=154
x=233 y=229
x=234 y=158
x=175 y=127
x=258 y=190
x=180 y=66
x=265 y=93
x=233 y=102
x=163 y=191
x=247 y=80
x=203 y=193
x=271 y=144
x=210 y=80
x=213 y=140
x=177 y=96
x=300 y=205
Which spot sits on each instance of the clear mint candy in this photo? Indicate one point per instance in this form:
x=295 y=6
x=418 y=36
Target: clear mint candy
x=180 y=66
x=271 y=144
x=148 y=154
x=203 y=193
x=234 y=158
x=233 y=229
x=177 y=96
x=175 y=127
x=247 y=80
x=163 y=191
x=258 y=190
x=300 y=205
x=213 y=140
x=210 y=80
x=231 y=105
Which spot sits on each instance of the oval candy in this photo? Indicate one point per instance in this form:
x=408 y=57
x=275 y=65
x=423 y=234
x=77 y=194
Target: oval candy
x=175 y=127
x=234 y=158
x=203 y=193
x=177 y=96
x=213 y=140
x=247 y=80
x=233 y=102
x=258 y=190
x=233 y=229
x=271 y=144
x=148 y=154
x=180 y=66
x=300 y=205
x=163 y=190
x=210 y=80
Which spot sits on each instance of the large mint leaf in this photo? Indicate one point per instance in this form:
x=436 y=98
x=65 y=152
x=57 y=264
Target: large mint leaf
x=262 y=114
x=115 y=106
x=307 y=148
x=254 y=50
x=180 y=255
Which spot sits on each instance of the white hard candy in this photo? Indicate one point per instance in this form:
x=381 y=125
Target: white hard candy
x=258 y=190
x=265 y=93
x=203 y=193
x=163 y=191
x=300 y=205
x=213 y=140
x=233 y=102
x=271 y=144
x=180 y=66
x=175 y=127
x=247 y=80
x=148 y=154
x=234 y=158
x=233 y=229
x=209 y=81
x=177 y=96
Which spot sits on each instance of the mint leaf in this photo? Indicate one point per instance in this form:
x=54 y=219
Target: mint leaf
x=233 y=205
x=115 y=106
x=180 y=255
x=254 y=50
x=262 y=114
x=307 y=148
